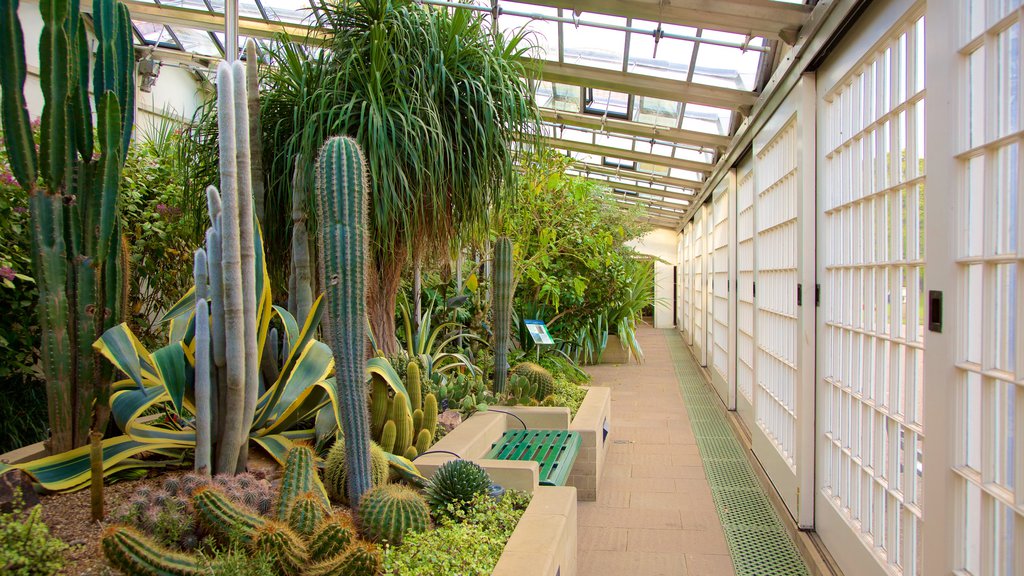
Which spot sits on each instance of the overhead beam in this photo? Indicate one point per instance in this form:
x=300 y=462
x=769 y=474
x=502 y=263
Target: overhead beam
x=674 y=208
x=772 y=20
x=631 y=155
x=684 y=183
x=614 y=125
x=640 y=84
x=211 y=22
x=642 y=190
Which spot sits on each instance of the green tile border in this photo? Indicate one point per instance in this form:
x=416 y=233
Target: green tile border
x=758 y=542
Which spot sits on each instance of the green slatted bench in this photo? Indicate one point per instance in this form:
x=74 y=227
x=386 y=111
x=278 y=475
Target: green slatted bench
x=554 y=450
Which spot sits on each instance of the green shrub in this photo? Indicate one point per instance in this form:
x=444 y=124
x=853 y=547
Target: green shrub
x=26 y=547
x=469 y=541
x=566 y=394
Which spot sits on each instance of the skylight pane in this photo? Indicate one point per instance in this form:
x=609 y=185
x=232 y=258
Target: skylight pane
x=155 y=34
x=672 y=59
x=558 y=96
x=245 y=7
x=287 y=10
x=686 y=174
x=597 y=47
x=707 y=119
x=725 y=66
x=196 y=41
x=541 y=34
x=191 y=4
x=664 y=113
x=602 y=102
x=614 y=142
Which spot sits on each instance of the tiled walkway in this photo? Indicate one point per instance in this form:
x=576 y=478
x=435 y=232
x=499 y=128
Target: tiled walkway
x=654 y=515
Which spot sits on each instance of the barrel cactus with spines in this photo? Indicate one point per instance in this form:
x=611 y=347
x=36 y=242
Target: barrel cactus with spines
x=281 y=546
x=73 y=195
x=456 y=481
x=135 y=554
x=336 y=471
x=306 y=513
x=223 y=518
x=391 y=511
x=341 y=197
x=502 y=290
x=332 y=537
x=359 y=559
x=300 y=477
x=538 y=377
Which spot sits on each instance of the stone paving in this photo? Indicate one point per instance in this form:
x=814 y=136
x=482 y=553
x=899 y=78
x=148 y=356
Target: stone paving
x=654 y=515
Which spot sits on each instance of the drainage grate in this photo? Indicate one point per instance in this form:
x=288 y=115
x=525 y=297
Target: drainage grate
x=758 y=542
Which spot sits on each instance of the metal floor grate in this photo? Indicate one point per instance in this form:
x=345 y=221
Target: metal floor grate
x=757 y=539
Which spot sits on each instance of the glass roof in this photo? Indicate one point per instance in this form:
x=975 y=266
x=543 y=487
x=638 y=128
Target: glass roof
x=655 y=143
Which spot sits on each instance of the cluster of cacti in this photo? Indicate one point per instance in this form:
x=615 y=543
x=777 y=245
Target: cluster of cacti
x=303 y=537
x=538 y=376
x=228 y=368
x=299 y=479
x=456 y=481
x=78 y=264
x=337 y=473
x=341 y=197
x=391 y=511
x=167 y=512
x=403 y=425
x=501 y=294
x=520 y=392
x=463 y=392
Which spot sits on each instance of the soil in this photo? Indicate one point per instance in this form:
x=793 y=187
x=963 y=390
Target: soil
x=69 y=517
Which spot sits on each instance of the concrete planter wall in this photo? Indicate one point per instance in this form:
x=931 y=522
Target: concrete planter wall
x=544 y=541
x=614 y=353
x=593 y=422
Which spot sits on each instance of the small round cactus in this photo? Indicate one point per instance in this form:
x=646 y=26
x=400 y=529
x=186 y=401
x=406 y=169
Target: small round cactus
x=538 y=376
x=332 y=537
x=336 y=473
x=390 y=511
x=359 y=559
x=456 y=481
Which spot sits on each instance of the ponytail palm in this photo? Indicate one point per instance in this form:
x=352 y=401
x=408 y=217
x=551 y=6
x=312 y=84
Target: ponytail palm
x=436 y=101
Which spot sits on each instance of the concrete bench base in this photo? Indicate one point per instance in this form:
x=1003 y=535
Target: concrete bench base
x=544 y=541
x=593 y=422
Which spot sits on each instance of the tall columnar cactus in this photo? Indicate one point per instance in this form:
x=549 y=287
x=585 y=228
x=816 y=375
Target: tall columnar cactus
x=231 y=347
x=75 y=226
x=501 y=290
x=341 y=196
x=300 y=281
x=252 y=82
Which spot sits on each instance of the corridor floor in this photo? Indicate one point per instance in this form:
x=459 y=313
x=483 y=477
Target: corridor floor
x=655 y=514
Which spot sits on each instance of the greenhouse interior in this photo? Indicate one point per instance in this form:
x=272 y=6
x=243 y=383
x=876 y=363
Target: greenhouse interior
x=676 y=287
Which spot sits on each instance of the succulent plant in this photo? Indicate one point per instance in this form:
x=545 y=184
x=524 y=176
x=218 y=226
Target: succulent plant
x=390 y=511
x=282 y=546
x=456 y=481
x=341 y=198
x=359 y=559
x=332 y=537
x=225 y=519
x=538 y=376
x=336 y=473
x=307 y=510
x=135 y=554
x=502 y=291
x=299 y=477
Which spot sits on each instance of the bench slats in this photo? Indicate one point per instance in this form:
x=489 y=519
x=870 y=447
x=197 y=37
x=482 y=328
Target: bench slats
x=554 y=450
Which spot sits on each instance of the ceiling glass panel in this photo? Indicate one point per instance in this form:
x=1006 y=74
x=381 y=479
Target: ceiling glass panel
x=669 y=58
x=707 y=119
x=287 y=10
x=664 y=113
x=192 y=4
x=725 y=66
x=155 y=34
x=543 y=34
x=597 y=47
x=196 y=41
x=245 y=8
x=558 y=96
x=601 y=102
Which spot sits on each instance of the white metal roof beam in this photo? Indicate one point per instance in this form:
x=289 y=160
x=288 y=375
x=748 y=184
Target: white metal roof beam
x=694 y=185
x=756 y=17
x=630 y=155
x=677 y=209
x=641 y=190
x=640 y=84
x=614 y=125
x=209 y=21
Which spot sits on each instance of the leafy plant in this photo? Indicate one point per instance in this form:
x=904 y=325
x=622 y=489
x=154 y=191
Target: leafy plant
x=26 y=547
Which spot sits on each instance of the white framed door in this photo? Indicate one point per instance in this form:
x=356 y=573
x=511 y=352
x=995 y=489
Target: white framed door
x=871 y=265
x=783 y=434
x=700 y=284
x=745 y=269
x=687 y=289
x=720 y=310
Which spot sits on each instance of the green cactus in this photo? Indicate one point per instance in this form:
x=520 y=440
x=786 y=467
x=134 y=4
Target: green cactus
x=76 y=238
x=299 y=477
x=430 y=415
x=336 y=473
x=378 y=405
x=341 y=194
x=283 y=547
x=417 y=420
x=332 y=537
x=413 y=385
x=306 y=513
x=502 y=291
x=403 y=424
x=223 y=518
x=138 y=555
x=538 y=376
x=456 y=481
x=387 y=436
x=359 y=559
x=410 y=453
x=390 y=511
x=423 y=441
